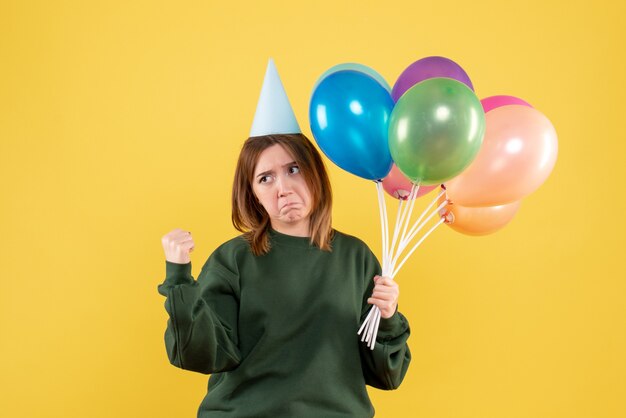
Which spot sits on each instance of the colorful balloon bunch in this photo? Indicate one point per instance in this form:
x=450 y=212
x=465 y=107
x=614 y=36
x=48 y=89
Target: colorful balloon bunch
x=431 y=129
x=518 y=154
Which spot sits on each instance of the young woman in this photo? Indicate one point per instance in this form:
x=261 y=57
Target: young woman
x=275 y=311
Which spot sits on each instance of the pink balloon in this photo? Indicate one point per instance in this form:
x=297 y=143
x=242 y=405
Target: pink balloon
x=493 y=102
x=398 y=186
x=517 y=155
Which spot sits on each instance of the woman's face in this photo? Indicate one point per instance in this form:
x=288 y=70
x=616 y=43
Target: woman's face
x=282 y=191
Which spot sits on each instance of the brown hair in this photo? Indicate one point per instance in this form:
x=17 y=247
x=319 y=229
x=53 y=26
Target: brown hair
x=250 y=217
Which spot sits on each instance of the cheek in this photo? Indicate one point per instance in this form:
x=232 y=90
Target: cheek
x=306 y=194
x=266 y=201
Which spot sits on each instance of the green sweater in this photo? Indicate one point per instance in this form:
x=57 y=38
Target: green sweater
x=278 y=332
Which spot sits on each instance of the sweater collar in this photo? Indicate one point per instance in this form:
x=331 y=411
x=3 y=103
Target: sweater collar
x=289 y=240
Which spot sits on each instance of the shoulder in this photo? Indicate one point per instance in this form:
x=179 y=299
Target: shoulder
x=346 y=241
x=349 y=247
x=236 y=245
x=228 y=255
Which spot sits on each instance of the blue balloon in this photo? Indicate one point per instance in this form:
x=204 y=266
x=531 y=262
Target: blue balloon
x=349 y=114
x=355 y=67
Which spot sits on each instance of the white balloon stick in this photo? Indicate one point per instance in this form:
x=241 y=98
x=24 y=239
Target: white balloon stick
x=442 y=220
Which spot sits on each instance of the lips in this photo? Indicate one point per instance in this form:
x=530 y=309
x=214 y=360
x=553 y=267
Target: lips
x=289 y=205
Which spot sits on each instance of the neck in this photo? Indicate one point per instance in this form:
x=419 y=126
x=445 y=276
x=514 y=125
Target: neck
x=299 y=229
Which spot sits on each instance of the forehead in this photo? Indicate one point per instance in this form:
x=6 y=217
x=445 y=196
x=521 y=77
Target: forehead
x=273 y=158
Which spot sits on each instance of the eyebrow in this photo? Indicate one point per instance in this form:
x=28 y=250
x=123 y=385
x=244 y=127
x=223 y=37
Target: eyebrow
x=271 y=171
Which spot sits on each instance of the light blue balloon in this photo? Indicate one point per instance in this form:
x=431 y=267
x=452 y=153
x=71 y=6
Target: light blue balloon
x=354 y=67
x=349 y=114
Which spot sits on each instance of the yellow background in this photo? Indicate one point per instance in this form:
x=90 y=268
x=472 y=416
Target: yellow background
x=121 y=120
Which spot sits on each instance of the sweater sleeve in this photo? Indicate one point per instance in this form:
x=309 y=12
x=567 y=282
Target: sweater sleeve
x=201 y=333
x=385 y=366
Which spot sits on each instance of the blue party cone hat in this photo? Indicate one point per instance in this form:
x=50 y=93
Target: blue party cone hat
x=274 y=114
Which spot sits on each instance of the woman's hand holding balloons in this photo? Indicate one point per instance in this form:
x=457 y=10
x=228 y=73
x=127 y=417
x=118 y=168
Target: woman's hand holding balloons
x=178 y=244
x=385 y=296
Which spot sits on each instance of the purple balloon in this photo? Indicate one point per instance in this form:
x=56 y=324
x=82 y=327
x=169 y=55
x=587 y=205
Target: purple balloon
x=493 y=102
x=429 y=67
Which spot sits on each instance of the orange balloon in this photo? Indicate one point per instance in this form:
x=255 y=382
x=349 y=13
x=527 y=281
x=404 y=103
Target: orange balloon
x=517 y=155
x=478 y=221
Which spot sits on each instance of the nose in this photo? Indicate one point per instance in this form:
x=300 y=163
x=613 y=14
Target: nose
x=283 y=186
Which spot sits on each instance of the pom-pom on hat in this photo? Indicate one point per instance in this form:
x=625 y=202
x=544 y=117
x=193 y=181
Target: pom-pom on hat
x=274 y=114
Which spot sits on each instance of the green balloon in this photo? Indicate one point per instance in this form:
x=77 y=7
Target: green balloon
x=435 y=131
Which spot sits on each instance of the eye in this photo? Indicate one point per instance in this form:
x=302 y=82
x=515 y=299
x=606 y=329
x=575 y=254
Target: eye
x=265 y=179
x=294 y=169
